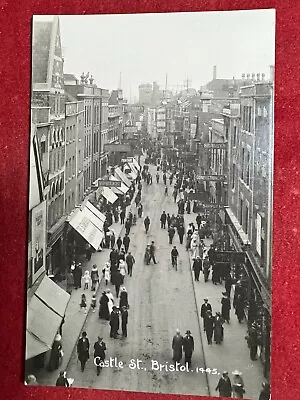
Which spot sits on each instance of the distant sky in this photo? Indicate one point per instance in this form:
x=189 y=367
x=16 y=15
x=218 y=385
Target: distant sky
x=146 y=47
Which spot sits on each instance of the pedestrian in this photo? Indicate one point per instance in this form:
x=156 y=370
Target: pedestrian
x=114 y=322
x=197 y=267
x=175 y=192
x=116 y=280
x=228 y=284
x=114 y=258
x=180 y=231
x=83 y=348
x=112 y=239
x=83 y=303
x=116 y=215
x=122 y=216
x=206 y=269
x=123 y=298
x=123 y=269
x=209 y=326
x=239 y=308
x=86 y=280
x=238 y=385
x=188 y=240
x=252 y=340
x=177 y=344
x=88 y=252
x=198 y=220
x=226 y=306
x=152 y=251
x=188 y=347
x=111 y=299
x=31 y=381
x=103 y=309
x=224 y=385
x=168 y=220
x=171 y=233
x=126 y=242
x=140 y=211
x=122 y=254
x=56 y=354
x=147 y=223
x=124 y=320
x=94 y=277
x=194 y=246
x=219 y=330
x=106 y=273
x=62 y=379
x=265 y=392
x=127 y=226
x=206 y=306
x=188 y=207
x=163 y=219
x=130 y=261
x=77 y=276
x=93 y=303
x=174 y=256
x=119 y=243
x=99 y=353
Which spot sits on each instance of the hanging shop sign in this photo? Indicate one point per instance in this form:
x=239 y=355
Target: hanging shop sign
x=234 y=257
x=214 y=146
x=211 y=178
x=127 y=160
x=122 y=148
x=108 y=183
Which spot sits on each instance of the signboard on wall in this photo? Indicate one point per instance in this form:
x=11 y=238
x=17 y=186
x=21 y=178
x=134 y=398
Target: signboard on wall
x=211 y=178
x=108 y=183
x=215 y=145
x=258 y=234
x=234 y=257
x=122 y=148
x=38 y=240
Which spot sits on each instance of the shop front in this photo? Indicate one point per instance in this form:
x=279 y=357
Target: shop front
x=251 y=282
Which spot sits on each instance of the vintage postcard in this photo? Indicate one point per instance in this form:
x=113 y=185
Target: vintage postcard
x=150 y=203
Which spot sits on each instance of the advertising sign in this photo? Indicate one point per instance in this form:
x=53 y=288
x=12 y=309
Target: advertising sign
x=108 y=183
x=122 y=148
x=127 y=160
x=211 y=178
x=38 y=239
x=234 y=257
x=215 y=145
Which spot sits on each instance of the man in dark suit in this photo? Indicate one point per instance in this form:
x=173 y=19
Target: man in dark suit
x=126 y=242
x=188 y=347
x=204 y=308
x=83 y=347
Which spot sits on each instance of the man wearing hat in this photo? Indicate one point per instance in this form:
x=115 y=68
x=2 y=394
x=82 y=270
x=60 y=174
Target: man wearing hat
x=197 y=267
x=99 y=353
x=224 y=385
x=204 y=308
x=209 y=325
x=177 y=346
x=124 y=319
x=83 y=347
x=130 y=261
x=114 y=322
x=188 y=347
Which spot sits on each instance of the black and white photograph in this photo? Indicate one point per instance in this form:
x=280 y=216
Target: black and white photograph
x=151 y=203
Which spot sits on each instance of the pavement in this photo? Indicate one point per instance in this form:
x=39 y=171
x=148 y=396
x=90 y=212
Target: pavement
x=161 y=300
x=233 y=353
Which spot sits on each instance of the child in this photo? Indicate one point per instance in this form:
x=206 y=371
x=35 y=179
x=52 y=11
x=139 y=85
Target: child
x=83 y=302
x=93 y=303
x=86 y=279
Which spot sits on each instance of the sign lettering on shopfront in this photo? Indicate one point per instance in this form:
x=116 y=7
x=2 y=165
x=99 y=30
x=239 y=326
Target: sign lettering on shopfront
x=108 y=183
x=211 y=178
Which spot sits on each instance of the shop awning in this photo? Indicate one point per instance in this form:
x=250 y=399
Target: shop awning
x=123 y=189
x=136 y=164
x=123 y=177
x=44 y=314
x=131 y=171
x=86 y=228
x=95 y=211
x=109 y=195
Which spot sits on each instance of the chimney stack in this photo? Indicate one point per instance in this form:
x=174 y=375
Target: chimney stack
x=248 y=76
x=214 y=72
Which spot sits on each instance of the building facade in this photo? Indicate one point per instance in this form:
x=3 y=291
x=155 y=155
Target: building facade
x=48 y=91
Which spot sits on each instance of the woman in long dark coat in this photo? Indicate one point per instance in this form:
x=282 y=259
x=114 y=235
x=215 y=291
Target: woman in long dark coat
x=219 y=330
x=55 y=356
x=177 y=344
x=225 y=312
x=123 y=298
x=103 y=309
